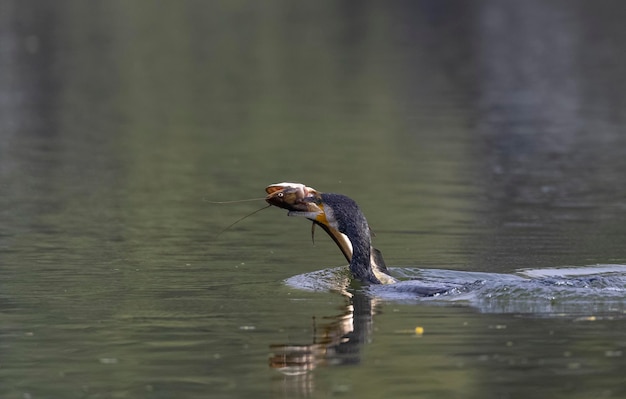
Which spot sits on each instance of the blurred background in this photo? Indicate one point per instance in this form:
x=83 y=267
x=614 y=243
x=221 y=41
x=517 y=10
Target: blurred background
x=479 y=136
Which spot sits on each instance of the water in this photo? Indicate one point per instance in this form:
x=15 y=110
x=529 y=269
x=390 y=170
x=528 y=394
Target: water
x=477 y=138
x=593 y=290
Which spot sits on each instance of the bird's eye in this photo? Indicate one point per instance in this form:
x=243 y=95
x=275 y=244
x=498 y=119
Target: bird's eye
x=280 y=195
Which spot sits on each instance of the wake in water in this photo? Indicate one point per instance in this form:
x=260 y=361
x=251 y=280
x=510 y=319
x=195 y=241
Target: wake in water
x=598 y=289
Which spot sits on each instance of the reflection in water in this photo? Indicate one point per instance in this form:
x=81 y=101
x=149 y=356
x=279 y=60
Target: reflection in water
x=548 y=165
x=578 y=294
x=337 y=340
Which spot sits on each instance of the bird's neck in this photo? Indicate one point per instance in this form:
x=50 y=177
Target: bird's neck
x=357 y=230
x=366 y=263
x=360 y=264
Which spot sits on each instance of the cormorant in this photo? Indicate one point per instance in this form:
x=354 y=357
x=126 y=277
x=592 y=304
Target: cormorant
x=344 y=222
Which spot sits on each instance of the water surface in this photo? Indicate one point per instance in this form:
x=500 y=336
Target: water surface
x=477 y=138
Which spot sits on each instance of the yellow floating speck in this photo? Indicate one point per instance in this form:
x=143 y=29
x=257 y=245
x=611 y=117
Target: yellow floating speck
x=419 y=330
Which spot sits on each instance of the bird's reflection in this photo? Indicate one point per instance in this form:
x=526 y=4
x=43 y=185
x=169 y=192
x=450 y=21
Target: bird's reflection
x=336 y=340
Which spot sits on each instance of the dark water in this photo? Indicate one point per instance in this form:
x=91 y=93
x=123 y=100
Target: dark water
x=478 y=138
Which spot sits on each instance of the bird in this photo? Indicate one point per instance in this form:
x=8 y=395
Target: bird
x=343 y=220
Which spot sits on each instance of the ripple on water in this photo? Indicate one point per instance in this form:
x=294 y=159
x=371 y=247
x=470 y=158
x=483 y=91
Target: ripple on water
x=564 y=291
